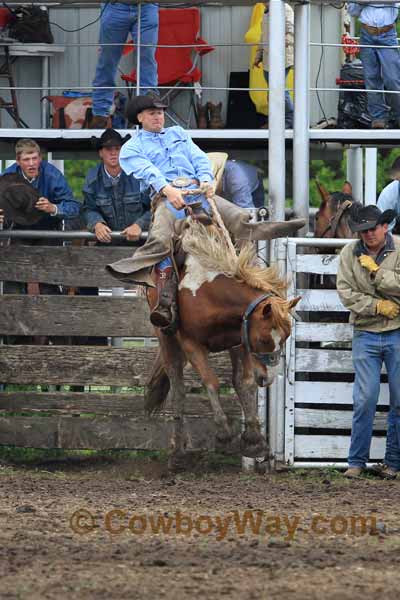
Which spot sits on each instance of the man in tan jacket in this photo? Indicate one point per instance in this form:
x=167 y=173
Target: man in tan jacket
x=368 y=283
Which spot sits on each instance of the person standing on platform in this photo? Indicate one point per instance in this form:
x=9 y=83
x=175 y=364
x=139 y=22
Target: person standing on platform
x=118 y=19
x=381 y=65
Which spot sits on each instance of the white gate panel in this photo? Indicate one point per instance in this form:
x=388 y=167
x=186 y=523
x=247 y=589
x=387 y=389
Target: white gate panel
x=331 y=392
x=319 y=301
x=315 y=418
x=322 y=264
x=323 y=332
x=332 y=447
x=318 y=386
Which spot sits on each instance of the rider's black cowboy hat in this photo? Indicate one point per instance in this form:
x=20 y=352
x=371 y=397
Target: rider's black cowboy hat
x=18 y=200
x=139 y=103
x=368 y=217
x=109 y=138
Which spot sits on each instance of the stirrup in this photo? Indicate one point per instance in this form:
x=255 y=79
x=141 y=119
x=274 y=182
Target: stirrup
x=161 y=316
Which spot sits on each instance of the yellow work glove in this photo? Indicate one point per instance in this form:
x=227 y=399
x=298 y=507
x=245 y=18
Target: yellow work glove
x=387 y=308
x=368 y=263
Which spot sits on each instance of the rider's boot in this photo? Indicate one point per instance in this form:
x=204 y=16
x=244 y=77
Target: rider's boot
x=164 y=313
x=237 y=222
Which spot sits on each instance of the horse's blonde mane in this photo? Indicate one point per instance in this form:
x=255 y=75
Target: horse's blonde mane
x=209 y=247
x=280 y=313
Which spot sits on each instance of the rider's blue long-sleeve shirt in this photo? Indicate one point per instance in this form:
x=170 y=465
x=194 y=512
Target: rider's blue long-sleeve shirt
x=158 y=158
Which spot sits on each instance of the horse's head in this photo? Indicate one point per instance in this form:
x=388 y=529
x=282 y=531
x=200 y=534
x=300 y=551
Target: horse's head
x=332 y=218
x=269 y=327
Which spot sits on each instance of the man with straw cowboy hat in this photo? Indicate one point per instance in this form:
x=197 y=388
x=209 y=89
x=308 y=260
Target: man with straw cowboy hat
x=166 y=160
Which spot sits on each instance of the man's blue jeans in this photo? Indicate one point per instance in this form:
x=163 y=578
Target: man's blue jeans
x=116 y=22
x=381 y=71
x=288 y=101
x=370 y=351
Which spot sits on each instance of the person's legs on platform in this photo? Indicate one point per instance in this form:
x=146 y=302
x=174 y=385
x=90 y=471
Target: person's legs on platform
x=114 y=28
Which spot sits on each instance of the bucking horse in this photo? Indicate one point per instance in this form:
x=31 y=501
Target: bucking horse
x=227 y=300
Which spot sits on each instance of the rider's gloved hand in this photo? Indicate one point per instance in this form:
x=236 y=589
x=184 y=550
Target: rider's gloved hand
x=207 y=188
x=174 y=196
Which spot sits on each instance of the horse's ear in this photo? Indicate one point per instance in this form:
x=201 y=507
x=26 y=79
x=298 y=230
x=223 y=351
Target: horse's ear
x=347 y=188
x=325 y=195
x=266 y=310
x=292 y=303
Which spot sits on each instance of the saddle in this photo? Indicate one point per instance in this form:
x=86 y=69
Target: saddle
x=197 y=212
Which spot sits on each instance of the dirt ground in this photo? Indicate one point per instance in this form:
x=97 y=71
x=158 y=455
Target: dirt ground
x=307 y=540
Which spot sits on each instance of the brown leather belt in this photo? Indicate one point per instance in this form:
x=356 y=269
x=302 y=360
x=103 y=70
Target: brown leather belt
x=377 y=30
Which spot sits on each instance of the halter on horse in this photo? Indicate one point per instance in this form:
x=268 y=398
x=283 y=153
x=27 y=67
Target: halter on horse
x=331 y=220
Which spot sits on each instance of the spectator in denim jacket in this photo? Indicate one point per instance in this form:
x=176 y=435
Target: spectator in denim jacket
x=112 y=199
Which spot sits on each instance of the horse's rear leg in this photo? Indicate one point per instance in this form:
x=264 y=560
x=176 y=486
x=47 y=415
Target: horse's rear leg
x=157 y=388
x=174 y=361
x=198 y=357
x=253 y=443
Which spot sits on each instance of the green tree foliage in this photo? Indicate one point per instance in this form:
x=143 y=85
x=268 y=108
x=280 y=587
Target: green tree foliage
x=332 y=174
x=75 y=172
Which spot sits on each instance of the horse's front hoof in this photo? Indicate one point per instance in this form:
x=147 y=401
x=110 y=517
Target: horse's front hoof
x=253 y=444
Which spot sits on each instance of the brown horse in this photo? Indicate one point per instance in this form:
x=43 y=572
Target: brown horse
x=224 y=304
x=332 y=218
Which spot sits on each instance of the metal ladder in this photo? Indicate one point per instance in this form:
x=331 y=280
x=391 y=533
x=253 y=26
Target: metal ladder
x=6 y=71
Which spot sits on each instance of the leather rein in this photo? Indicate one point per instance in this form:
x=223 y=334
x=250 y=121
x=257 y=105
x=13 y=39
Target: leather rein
x=335 y=220
x=269 y=359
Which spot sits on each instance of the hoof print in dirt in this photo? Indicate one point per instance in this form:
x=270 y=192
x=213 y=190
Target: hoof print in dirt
x=25 y=508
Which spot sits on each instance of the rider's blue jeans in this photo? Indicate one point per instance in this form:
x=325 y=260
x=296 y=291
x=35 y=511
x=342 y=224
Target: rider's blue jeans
x=370 y=351
x=381 y=71
x=180 y=214
x=117 y=21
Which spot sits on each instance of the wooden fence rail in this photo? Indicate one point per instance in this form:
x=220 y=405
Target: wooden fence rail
x=108 y=411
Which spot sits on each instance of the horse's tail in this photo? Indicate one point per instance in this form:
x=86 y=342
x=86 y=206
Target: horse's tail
x=157 y=387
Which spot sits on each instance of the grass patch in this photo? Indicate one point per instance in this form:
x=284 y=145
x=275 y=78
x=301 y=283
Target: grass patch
x=32 y=456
